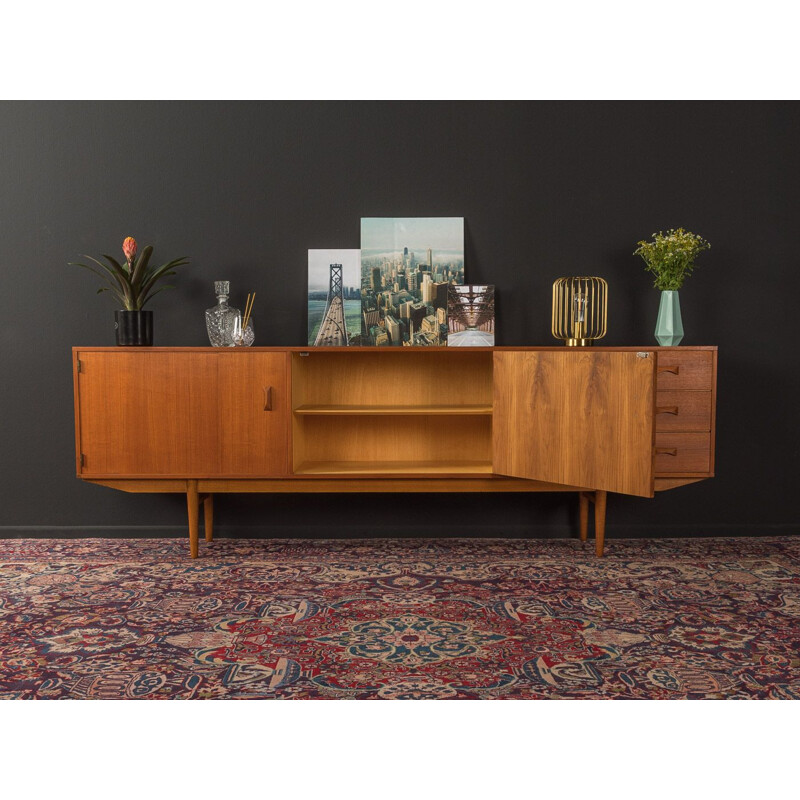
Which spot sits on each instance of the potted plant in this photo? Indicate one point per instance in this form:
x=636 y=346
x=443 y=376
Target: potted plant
x=132 y=283
x=670 y=257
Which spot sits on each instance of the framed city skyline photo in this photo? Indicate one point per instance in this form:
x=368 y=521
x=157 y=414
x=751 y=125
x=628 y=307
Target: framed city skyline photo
x=470 y=316
x=407 y=264
x=334 y=298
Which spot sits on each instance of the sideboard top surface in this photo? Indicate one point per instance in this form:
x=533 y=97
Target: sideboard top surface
x=293 y=349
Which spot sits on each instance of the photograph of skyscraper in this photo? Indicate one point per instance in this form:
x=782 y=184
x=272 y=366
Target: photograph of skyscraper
x=407 y=263
x=470 y=316
x=334 y=298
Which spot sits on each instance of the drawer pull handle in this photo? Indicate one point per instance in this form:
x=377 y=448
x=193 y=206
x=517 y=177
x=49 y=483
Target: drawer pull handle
x=666 y=451
x=667 y=410
x=267 y=398
x=674 y=370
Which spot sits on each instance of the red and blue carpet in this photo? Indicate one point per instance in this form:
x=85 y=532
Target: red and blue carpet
x=453 y=618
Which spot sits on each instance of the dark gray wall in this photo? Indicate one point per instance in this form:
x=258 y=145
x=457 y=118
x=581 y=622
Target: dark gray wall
x=547 y=189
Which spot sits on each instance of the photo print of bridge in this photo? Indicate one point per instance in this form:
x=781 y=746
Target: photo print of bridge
x=470 y=316
x=334 y=298
x=407 y=265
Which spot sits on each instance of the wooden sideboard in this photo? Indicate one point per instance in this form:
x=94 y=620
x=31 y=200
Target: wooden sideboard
x=202 y=420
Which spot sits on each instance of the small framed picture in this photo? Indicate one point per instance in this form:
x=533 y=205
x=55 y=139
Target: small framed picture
x=470 y=316
x=334 y=298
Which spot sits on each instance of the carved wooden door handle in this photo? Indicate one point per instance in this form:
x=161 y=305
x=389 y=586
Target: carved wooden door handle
x=666 y=451
x=667 y=410
x=267 y=398
x=674 y=370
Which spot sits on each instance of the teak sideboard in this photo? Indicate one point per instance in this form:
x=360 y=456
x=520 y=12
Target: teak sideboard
x=203 y=420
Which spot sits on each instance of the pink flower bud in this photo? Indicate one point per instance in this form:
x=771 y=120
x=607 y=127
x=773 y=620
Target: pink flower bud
x=129 y=248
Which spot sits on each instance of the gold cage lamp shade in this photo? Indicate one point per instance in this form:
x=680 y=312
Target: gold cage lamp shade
x=580 y=310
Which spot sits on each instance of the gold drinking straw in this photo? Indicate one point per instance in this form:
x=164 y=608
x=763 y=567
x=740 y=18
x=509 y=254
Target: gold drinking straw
x=248 y=309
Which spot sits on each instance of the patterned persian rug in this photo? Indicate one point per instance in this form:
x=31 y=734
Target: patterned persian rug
x=452 y=618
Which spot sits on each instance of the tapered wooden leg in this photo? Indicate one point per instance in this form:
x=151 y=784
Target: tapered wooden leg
x=583 y=515
x=599 y=522
x=193 y=506
x=208 y=520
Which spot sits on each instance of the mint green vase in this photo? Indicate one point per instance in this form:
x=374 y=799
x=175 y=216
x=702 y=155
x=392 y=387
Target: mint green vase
x=669 y=326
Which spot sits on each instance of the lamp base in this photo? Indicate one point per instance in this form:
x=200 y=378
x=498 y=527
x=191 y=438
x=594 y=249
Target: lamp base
x=578 y=342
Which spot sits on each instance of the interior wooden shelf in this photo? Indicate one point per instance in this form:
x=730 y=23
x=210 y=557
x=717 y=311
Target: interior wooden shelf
x=394 y=468
x=427 y=410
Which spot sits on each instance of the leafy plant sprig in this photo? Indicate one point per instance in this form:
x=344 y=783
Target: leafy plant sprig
x=670 y=256
x=133 y=282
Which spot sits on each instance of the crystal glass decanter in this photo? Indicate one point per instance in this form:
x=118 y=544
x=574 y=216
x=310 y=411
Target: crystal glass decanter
x=222 y=318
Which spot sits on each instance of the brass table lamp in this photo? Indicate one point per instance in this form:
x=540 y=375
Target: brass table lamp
x=580 y=310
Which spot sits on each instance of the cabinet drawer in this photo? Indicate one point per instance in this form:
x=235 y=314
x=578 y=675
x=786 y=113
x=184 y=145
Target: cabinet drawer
x=682 y=452
x=684 y=369
x=683 y=411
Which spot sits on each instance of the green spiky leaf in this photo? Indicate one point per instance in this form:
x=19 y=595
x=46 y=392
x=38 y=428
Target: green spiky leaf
x=153 y=294
x=132 y=285
x=140 y=269
x=160 y=272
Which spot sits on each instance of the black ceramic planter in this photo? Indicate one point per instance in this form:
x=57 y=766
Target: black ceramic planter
x=134 y=328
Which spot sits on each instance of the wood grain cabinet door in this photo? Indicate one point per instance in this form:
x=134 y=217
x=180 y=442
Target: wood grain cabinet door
x=253 y=414
x=182 y=414
x=576 y=417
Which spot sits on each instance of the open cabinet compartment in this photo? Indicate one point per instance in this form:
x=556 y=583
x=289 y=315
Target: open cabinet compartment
x=392 y=413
